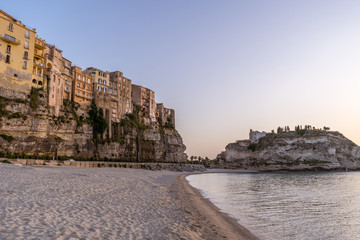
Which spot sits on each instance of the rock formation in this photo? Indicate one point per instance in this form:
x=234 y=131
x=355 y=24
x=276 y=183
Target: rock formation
x=36 y=131
x=293 y=150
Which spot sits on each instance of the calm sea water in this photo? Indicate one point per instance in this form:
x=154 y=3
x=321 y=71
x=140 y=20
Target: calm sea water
x=288 y=205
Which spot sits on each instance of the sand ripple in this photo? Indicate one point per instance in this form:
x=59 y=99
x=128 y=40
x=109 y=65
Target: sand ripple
x=87 y=203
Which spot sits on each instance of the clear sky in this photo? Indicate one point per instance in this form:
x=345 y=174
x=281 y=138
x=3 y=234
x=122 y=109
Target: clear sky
x=224 y=66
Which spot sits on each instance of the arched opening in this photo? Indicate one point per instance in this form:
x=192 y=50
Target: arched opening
x=40 y=83
x=49 y=65
x=34 y=81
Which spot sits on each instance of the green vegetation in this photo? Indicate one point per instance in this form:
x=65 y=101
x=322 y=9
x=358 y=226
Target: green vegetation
x=34 y=98
x=7 y=137
x=6 y=161
x=17 y=115
x=134 y=120
x=118 y=140
x=71 y=108
x=97 y=121
x=252 y=147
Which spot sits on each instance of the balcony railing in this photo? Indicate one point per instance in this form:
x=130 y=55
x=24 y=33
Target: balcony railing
x=10 y=39
x=39 y=64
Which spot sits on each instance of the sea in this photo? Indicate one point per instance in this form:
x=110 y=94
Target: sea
x=288 y=205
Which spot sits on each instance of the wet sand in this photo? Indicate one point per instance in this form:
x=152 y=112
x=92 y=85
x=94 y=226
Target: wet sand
x=106 y=203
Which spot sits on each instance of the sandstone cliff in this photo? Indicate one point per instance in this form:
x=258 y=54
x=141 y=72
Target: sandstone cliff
x=37 y=132
x=302 y=150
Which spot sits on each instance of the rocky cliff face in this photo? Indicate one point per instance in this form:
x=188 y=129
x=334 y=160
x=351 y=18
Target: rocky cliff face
x=307 y=150
x=39 y=132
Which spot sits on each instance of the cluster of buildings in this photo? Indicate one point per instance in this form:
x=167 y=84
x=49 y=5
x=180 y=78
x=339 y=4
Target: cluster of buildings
x=27 y=61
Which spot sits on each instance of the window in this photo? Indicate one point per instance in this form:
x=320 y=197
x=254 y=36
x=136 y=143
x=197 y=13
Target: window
x=78 y=85
x=25 y=65
x=8 y=49
x=27 y=34
x=26 y=44
x=104 y=90
x=26 y=54
x=83 y=79
x=55 y=63
x=99 y=81
x=78 y=77
x=100 y=74
x=89 y=80
x=104 y=75
x=104 y=82
x=54 y=80
x=10 y=26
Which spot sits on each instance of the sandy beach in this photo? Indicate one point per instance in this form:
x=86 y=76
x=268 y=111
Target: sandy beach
x=106 y=203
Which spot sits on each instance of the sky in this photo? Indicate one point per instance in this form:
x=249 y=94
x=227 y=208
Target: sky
x=225 y=66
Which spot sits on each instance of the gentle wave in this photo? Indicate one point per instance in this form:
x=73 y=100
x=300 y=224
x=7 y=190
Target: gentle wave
x=288 y=205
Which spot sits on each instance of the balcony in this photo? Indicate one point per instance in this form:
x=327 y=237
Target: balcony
x=39 y=43
x=39 y=54
x=68 y=82
x=38 y=64
x=10 y=39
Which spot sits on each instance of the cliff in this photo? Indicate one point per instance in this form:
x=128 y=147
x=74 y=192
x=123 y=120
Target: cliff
x=294 y=150
x=28 y=127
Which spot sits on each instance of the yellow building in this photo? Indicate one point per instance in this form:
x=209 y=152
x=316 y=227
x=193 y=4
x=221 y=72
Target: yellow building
x=38 y=77
x=82 y=86
x=17 y=45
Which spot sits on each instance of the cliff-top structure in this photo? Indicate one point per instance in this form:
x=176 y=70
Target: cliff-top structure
x=301 y=149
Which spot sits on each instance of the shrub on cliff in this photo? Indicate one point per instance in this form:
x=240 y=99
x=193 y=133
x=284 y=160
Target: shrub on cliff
x=7 y=137
x=97 y=120
x=34 y=98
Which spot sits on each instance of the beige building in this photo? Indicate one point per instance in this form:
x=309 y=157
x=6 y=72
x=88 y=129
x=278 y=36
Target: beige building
x=145 y=98
x=82 y=86
x=54 y=71
x=17 y=45
x=165 y=116
x=120 y=92
x=67 y=76
x=101 y=81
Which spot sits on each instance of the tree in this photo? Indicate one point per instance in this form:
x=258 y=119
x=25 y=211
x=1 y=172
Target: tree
x=134 y=120
x=97 y=120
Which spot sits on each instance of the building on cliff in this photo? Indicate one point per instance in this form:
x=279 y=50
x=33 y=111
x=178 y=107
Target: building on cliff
x=145 y=98
x=17 y=46
x=38 y=77
x=254 y=136
x=120 y=91
x=54 y=72
x=67 y=75
x=82 y=86
x=102 y=97
x=165 y=116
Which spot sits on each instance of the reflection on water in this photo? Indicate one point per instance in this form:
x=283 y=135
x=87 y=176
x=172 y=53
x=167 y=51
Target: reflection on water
x=288 y=205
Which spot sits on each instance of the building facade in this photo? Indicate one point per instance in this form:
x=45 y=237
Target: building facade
x=17 y=45
x=145 y=98
x=82 y=86
x=68 y=78
x=54 y=70
x=120 y=92
x=165 y=116
x=101 y=81
x=38 y=77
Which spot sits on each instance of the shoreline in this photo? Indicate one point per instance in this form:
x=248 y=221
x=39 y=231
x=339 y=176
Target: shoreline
x=206 y=218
